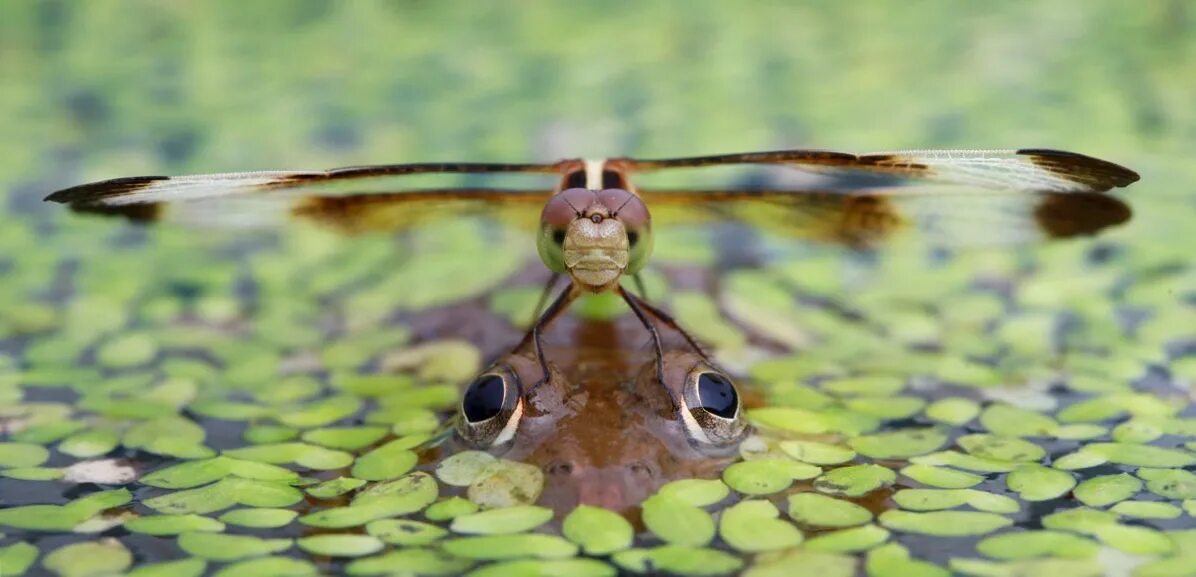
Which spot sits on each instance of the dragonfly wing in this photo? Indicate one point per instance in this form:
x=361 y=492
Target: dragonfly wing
x=945 y=216
x=1022 y=169
x=351 y=199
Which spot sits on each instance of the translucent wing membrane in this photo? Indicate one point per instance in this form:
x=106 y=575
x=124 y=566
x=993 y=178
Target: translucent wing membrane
x=1024 y=169
x=348 y=214
x=945 y=216
x=153 y=189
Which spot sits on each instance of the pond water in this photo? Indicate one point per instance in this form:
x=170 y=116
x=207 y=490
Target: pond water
x=278 y=400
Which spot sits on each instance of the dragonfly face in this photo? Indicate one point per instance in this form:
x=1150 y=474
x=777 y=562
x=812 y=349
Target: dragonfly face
x=595 y=236
x=602 y=435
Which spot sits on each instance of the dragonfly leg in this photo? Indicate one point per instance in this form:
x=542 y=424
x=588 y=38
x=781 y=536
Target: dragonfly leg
x=639 y=285
x=544 y=297
x=638 y=308
x=554 y=310
x=668 y=320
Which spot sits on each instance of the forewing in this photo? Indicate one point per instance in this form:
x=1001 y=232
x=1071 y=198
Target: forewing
x=1023 y=169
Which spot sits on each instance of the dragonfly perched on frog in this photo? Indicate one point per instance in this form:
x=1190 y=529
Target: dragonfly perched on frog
x=595 y=226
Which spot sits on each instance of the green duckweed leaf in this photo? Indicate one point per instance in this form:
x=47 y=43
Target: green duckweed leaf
x=677 y=522
x=269 y=434
x=753 y=526
x=173 y=524
x=1141 y=455
x=274 y=566
x=1146 y=510
x=103 y=557
x=48 y=432
x=195 y=473
x=450 y=508
x=938 y=499
x=63 y=517
x=390 y=499
x=389 y=461
x=789 y=420
x=1033 y=544
x=506 y=483
x=766 y=476
x=127 y=350
x=340 y=545
x=1034 y=482
x=953 y=410
x=899 y=444
x=1078 y=460
x=222 y=547
x=598 y=531
x=823 y=511
x=1182 y=565
x=1009 y=421
x=804 y=562
x=1028 y=568
x=263 y=518
x=516 y=519
x=405 y=532
x=320 y=412
x=33 y=473
x=941 y=477
x=334 y=487
x=345 y=438
x=816 y=453
x=16 y=558
x=1136 y=431
x=964 y=461
x=677 y=559
x=90 y=443
x=855 y=481
x=499 y=547
x=462 y=469
x=1170 y=483
x=893 y=560
x=696 y=492
x=944 y=523
x=414 y=561
x=302 y=454
x=1001 y=448
x=545 y=568
x=22 y=455
x=1107 y=489
x=226 y=493
x=182 y=568
x=888 y=408
x=850 y=540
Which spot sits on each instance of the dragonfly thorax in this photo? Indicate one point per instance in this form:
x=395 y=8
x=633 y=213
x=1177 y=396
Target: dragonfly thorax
x=595 y=236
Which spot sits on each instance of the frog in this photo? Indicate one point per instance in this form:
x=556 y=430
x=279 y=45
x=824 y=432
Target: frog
x=607 y=424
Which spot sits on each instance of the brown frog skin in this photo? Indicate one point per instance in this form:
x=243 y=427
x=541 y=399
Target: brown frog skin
x=604 y=429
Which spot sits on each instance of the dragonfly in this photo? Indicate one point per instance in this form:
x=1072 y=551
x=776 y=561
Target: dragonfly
x=596 y=226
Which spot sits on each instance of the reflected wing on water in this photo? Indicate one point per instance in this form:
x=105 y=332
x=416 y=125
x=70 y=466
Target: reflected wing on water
x=1023 y=169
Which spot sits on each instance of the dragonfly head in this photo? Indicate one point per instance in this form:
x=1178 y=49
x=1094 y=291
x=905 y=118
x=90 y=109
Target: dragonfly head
x=595 y=236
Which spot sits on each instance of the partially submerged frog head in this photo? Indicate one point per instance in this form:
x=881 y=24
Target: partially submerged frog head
x=605 y=436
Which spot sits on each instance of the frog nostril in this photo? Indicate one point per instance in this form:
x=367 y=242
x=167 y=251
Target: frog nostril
x=559 y=469
x=641 y=470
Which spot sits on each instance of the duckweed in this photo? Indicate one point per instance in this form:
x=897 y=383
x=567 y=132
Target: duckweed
x=820 y=510
x=599 y=531
x=516 y=519
x=677 y=522
x=752 y=526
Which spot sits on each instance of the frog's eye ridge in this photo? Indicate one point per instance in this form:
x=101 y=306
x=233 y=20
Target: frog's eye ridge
x=716 y=395
x=484 y=398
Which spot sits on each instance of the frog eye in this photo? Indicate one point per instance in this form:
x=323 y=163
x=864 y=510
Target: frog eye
x=712 y=409
x=491 y=408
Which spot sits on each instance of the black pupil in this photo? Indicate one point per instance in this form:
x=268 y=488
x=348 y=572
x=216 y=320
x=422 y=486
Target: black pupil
x=717 y=395
x=483 y=398
x=576 y=179
x=558 y=236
